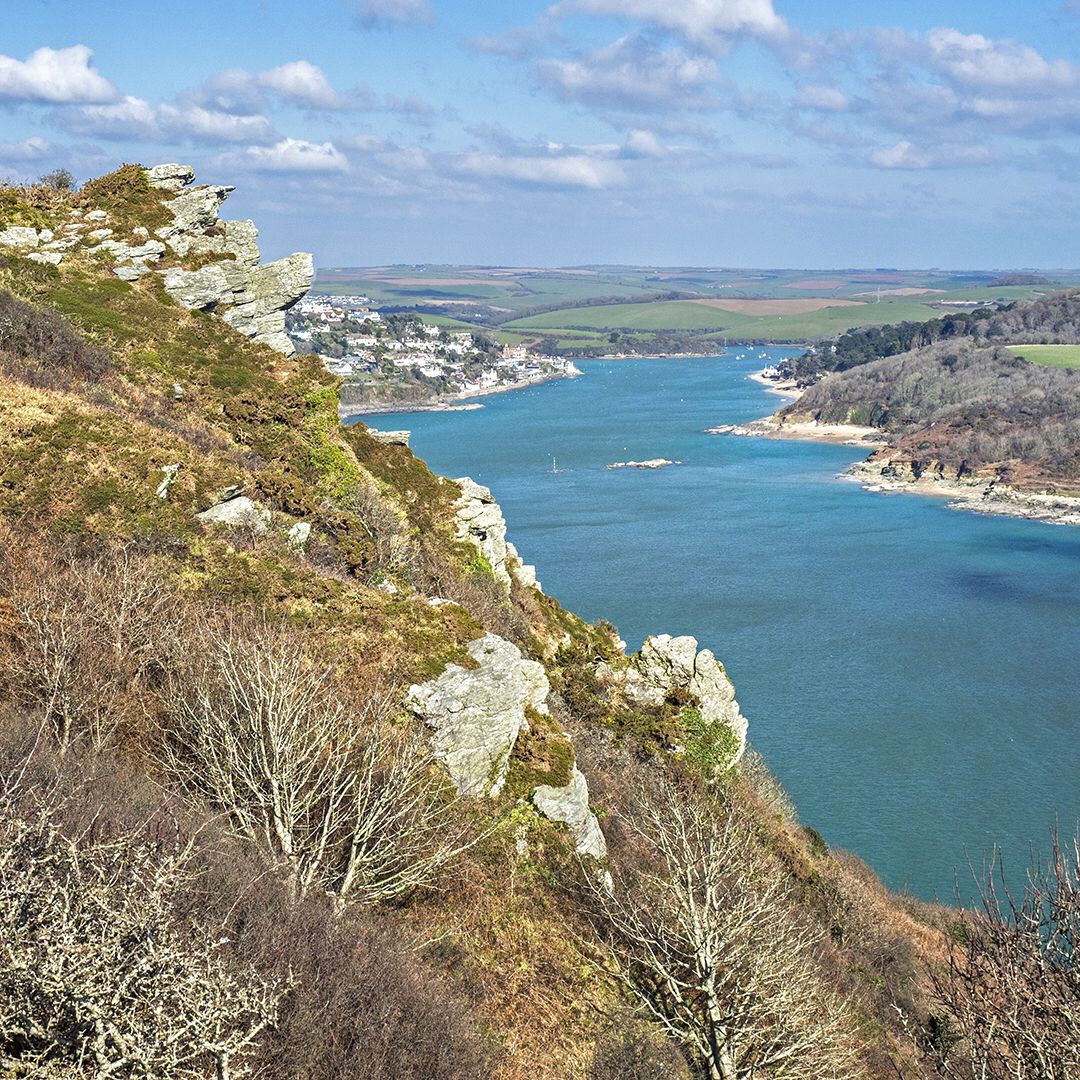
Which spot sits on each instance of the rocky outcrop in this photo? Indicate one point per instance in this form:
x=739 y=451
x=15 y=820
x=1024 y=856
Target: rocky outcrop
x=651 y=463
x=672 y=666
x=570 y=805
x=477 y=713
x=251 y=298
x=390 y=438
x=238 y=512
x=479 y=520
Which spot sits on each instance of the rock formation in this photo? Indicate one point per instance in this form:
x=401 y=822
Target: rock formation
x=250 y=297
x=668 y=665
x=478 y=713
x=479 y=521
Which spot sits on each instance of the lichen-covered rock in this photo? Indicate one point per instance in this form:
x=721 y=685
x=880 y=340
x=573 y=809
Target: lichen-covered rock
x=478 y=519
x=477 y=713
x=238 y=512
x=19 y=236
x=570 y=805
x=390 y=438
x=171 y=176
x=250 y=297
x=666 y=664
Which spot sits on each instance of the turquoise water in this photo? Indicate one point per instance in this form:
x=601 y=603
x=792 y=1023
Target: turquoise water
x=911 y=673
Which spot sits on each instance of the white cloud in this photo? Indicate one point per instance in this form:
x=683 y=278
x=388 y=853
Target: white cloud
x=212 y=125
x=906 y=155
x=575 y=170
x=302 y=83
x=645 y=144
x=712 y=23
x=293 y=155
x=373 y=14
x=822 y=99
x=129 y=118
x=32 y=149
x=980 y=62
x=59 y=76
x=631 y=73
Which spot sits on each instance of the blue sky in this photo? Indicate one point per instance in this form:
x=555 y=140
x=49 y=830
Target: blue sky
x=703 y=132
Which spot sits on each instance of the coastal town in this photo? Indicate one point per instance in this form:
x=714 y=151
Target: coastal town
x=394 y=360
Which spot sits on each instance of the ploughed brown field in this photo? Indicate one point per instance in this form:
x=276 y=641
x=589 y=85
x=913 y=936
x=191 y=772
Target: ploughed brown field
x=777 y=307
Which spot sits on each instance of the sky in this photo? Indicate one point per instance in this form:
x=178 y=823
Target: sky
x=747 y=133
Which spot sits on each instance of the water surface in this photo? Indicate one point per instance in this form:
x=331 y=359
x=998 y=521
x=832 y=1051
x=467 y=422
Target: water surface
x=911 y=673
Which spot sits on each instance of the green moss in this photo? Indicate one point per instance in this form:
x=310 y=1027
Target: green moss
x=543 y=755
x=708 y=748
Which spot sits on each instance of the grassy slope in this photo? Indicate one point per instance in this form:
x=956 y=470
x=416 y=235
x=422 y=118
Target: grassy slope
x=1060 y=356
x=85 y=459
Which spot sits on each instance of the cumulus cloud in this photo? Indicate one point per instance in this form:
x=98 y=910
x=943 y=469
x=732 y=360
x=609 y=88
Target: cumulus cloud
x=710 y=23
x=129 y=118
x=644 y=144
x=31 y=149
x=906 y=155
x=822 y=99
x=57 y=76
x=572 y=170
x=631 y=73
x=212 y=125
x=293 y=156
x=302 y=83
x=379 y=14
x=985 y=64
x=299 y=82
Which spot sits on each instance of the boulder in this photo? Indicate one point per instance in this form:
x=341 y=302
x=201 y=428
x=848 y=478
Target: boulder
x=299 y=535
x=238 y=512
x=19 y=236
x=170 y=177
x=570 y=805
x=390 y=438
x=477 y=713
x=171 y=472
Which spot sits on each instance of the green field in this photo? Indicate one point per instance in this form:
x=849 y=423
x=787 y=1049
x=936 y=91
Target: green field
x=1061 y=356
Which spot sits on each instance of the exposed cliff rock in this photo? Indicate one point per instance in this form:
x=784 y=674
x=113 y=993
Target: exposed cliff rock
x=479 y=520
x=570 y=805
x=253 y=299
x=670 y=667
x=477 y=713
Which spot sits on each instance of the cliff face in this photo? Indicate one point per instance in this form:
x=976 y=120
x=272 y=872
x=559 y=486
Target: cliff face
x=185 y=481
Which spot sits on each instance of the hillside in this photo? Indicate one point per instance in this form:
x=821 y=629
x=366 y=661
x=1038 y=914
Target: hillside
x=967 y=410
x=302 y=774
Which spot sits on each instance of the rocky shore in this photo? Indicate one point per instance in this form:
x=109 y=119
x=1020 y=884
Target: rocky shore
x=772 y=427
x=980 y=495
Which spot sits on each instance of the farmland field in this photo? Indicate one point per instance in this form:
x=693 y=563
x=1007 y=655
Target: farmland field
x=1062 y=356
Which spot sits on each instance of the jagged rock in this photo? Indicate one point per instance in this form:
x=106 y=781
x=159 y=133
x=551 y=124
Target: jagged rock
x=171 y=472
x=171 y=176
x=96 y=215
x=668 y=663
x=130 y=271
x=477 y=713
x=238 y=512
x=478 y=519
x=19 y=236
x=570 y=805
x=53 y=258
x=391 y=438
x=252 y=299
x=273 y=289
x=198 y=289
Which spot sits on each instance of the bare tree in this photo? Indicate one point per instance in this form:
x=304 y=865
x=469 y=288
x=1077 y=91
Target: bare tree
x=1011 y=989
x=259 y=730
x=704 y=934
x=98 y=977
